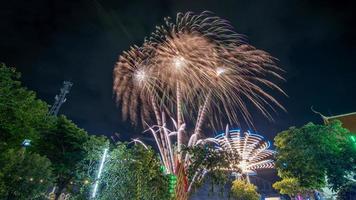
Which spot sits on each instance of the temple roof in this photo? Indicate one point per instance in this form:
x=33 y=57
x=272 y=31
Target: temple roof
x=348 y=120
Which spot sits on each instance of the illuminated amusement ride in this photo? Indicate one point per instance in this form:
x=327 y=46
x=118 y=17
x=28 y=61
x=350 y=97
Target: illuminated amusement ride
x=253 y=150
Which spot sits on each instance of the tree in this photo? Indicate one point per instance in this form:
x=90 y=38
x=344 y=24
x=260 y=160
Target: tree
x=22 y=115
x=347 y=191
x=87 y=168
x=133 y=173
x=313 y=152
x=208 y=162
x=289 y=186
x=63 y=145
x=242 y=190
x=24 y=175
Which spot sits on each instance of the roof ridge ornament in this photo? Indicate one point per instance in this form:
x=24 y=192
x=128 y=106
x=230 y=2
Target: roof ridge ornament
x=319 y=113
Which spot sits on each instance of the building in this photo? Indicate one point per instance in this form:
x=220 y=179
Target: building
x=348 y=120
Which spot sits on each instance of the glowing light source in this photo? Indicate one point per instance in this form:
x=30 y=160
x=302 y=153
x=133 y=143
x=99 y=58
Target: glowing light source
x=353 y=138
x=99 y=172
x=179 y=62
x=242 y=165
x=26 y=143
x=172 y=184
x=220 y=71
x=140 y=76
x=253 y=151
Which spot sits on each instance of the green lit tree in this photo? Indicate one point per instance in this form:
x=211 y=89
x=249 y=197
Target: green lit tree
x=313 y=152
x=133 y=173
x=87 y=168
x=242 y=190
x=24 y=175
x=205 y=159
x=22 y=114
x=289 y=186
x=63 y=145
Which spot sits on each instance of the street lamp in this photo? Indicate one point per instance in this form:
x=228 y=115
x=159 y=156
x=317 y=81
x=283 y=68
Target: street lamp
x=26 y=143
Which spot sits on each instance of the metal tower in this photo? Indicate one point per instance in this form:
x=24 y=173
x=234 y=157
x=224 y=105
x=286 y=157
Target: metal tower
x=61 y=98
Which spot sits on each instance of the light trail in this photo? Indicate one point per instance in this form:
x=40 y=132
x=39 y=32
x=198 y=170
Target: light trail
x=103 y=158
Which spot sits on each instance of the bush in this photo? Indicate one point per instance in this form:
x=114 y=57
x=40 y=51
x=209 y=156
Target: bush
x=242 y=190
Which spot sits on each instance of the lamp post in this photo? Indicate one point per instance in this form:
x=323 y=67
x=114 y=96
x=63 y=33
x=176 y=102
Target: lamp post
x=25 y=143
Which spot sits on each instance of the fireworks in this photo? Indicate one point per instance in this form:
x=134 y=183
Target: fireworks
x=198 y=58
x=194 y=68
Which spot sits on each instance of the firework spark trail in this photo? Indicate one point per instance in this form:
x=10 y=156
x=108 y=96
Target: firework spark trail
x=201 y=116
x=191 y=52
x=179 y=120
x=195 y=68
x=164 y=141
x=169 y=143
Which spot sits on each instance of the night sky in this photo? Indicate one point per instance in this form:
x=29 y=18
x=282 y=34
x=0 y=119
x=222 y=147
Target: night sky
x=80 y=40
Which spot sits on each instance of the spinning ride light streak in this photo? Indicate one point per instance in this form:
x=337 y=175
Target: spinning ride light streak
x=253 y=150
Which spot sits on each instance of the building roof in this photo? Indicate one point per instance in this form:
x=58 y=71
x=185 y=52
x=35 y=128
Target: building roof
x=348 y=120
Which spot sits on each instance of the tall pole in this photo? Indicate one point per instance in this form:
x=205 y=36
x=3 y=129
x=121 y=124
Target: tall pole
x=248 y=178
x=61 y=98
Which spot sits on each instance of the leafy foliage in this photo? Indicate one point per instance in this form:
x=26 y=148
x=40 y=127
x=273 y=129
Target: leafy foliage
x=63 y=145
x=213 y=162
x=24 y=175
x=314 y=152
x=133 y=173
x=347 y=191
x=242 y=190
x=22 y=115
x=86 y=169
x=289 y=186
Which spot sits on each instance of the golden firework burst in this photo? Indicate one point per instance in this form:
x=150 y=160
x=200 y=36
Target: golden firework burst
x=201 y=60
